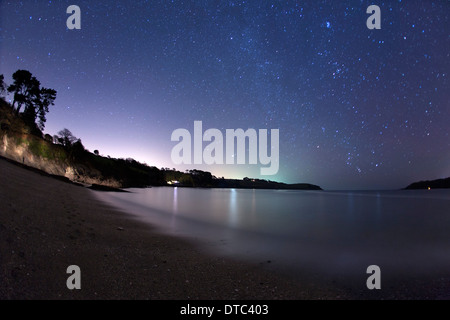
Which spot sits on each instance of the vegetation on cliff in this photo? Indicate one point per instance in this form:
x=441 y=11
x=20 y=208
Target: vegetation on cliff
x=66 y=151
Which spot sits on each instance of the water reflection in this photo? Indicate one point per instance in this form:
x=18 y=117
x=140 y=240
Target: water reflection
x=173 y=219
x=175 y=200
x=298 y=228
x=233 y=212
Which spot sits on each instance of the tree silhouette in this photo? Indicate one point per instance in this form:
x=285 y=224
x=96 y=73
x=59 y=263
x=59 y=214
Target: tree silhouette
x=46 y=99
x=48 y=138
x=96 y=152
x=25 y=89
x=66 y=138
x=77 y=150
x=29 y=94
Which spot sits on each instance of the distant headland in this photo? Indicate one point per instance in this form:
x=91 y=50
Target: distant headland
x=433 y=184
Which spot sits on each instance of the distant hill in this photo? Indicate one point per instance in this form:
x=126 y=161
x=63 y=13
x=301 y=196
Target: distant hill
x=433 y=184
x=248 y=183
x=203 y=179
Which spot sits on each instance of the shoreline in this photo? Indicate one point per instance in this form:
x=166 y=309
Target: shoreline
x=47 y=225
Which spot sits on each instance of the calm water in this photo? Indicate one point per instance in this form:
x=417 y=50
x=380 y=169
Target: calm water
x=402 y=231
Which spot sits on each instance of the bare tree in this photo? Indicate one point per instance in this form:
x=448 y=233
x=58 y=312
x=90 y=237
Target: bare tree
x=66 y=138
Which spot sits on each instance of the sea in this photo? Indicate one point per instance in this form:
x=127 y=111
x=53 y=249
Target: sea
x=328 y=232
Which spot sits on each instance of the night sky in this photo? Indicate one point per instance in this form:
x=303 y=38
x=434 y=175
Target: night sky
x=356 y=108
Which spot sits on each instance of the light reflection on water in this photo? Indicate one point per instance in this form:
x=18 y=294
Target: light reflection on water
x=401 y=230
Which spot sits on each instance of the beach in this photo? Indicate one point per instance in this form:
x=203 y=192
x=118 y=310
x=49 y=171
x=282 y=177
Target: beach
x=47 y=225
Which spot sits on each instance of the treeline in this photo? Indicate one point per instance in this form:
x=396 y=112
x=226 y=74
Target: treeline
x=190 y=178
x=203 y=179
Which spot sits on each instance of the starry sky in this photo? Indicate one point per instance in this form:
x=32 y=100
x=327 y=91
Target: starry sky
x=356 y=108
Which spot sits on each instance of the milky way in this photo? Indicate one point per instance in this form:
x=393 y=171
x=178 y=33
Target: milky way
x=356 y=108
